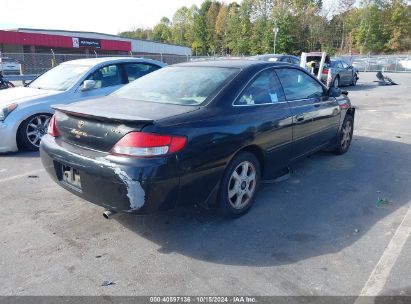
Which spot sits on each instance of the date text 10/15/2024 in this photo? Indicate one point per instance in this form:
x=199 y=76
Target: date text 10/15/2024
x=203 y=299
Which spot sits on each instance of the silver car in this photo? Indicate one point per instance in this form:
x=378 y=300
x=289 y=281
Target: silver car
x=9 y=66
x=340 y=72
x=25 y=111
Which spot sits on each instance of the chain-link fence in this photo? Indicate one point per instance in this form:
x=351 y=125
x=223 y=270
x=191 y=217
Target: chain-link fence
x=38 y=63
x=388 y=63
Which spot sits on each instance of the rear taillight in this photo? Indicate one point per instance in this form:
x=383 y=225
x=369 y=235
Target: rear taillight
x=140 y=144
x=52 y=130
x=344 y=106
x=325 y=71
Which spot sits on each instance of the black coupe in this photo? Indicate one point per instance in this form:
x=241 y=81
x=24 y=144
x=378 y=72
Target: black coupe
x=203 y=133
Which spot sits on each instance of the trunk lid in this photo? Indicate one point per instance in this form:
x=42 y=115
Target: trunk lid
x=100 y=123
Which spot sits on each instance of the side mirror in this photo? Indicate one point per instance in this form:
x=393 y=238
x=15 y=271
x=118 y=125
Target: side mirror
x=88 y=85
x=334 y=92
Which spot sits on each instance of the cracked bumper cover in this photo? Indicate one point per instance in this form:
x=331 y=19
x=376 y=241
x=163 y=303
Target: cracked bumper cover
x=117 y=183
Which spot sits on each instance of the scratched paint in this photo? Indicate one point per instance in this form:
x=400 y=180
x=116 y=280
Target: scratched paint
x=135 y=192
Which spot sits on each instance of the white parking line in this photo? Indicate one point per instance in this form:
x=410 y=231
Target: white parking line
x=7 y=179
x=376 y=282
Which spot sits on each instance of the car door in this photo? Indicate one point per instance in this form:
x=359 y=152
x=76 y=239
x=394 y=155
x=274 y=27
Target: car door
x=315 y=115
x=348 y=72
x=107 y=79
x=263 y=100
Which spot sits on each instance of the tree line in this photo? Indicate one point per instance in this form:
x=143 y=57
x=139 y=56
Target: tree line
x=247 y=28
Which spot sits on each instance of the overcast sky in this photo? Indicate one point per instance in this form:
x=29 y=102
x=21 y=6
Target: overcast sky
x=105 y=16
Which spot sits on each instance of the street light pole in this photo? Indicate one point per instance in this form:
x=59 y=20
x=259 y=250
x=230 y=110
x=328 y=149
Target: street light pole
x=275 y=30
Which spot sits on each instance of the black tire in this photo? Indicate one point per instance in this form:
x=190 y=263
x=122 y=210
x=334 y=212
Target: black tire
x=336 y=82
x=27 y=141
x=345 y=136
x=245 y=187
x=354 y=80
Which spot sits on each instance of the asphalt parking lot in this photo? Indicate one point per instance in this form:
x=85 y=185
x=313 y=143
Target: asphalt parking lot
x=339 y=225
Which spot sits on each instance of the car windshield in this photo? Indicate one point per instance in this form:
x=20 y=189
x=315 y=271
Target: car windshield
x=60 y=78
x=177 y=85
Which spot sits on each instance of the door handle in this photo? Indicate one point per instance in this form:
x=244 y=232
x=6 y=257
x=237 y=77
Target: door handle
x=300 y=118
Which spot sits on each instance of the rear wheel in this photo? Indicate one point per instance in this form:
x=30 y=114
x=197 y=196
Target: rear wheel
x=354 y=80
x=345 y=136
x=336 y=83
x=239 y=185
x=32 y=130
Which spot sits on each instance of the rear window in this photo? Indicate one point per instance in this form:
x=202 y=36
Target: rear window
x=8 y=60
x=178 y=85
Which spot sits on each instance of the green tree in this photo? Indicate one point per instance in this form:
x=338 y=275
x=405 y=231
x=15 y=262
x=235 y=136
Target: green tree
x=179 y=27
x=233 y=29
x=200 y=29
x=370 y=34
x=245 y=30
x=211 y=19
x=304 y=25
x=397 y=26
x=162 y=31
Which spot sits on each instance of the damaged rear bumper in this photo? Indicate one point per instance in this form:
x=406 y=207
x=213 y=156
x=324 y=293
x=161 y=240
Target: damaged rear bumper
x=117 y=183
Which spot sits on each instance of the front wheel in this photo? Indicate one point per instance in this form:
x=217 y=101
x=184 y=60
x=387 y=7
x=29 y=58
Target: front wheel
x=239 y=185
x=345 y=136
x=32 y=130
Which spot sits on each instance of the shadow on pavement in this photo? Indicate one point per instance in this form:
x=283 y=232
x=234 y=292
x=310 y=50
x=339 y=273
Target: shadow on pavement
x=360 y=87
x=329 y=203
x=20 y=154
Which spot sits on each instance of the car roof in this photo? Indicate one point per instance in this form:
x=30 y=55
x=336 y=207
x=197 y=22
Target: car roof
x=232 y=63
x=96 y=61
x=268 y=55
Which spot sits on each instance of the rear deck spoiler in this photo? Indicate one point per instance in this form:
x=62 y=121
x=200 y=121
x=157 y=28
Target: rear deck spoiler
x=102 y=115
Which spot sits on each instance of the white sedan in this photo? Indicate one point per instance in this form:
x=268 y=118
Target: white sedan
x=25 y=111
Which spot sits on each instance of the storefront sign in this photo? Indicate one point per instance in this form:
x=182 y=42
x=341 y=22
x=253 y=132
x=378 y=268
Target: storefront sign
x=86 y=42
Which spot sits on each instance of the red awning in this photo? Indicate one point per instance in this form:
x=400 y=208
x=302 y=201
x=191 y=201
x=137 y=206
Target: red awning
x=18 y=38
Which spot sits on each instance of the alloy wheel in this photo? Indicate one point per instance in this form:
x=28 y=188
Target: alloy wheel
x=37 y=128
x=346 y=135
x=242 y=185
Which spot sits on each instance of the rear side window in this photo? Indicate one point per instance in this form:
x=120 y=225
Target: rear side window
x=299 y=85
x=265 y=89
x=137 y=70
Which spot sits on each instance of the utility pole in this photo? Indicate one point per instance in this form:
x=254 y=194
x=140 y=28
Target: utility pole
x=275 y=30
